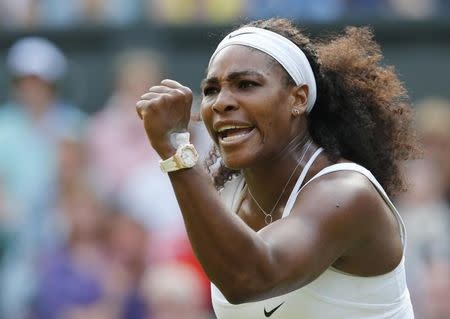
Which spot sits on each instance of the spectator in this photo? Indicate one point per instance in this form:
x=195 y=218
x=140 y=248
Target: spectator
x=19 y=14
x=72 y=277
x=116 y=145
x=173 y=12
x=94 y=265
x=305 y=10
x=194 y=11
x=436 y=285
x=222 y=11
x=32 y=123
x=425 y=205
x=55 y=13
x=414 y=9
x=433 y=121
x=113 y=12
x=118 y=149
x=72 y=177
x=129 y=252
x=174 y=291
x=425 y=214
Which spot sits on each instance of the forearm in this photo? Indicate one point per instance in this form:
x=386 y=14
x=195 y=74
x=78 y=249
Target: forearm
x=228 y=250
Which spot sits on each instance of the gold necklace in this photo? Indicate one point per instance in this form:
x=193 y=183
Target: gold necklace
x=268 y=216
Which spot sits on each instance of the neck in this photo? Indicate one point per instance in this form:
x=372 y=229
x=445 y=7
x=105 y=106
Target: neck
x=267 y=181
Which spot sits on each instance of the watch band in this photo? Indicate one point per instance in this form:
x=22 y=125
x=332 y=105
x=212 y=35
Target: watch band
x=169 y=165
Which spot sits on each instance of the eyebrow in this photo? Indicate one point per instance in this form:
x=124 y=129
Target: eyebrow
x=232 y=76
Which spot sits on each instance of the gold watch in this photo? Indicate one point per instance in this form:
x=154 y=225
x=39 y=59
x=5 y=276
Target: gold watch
x=186 y=156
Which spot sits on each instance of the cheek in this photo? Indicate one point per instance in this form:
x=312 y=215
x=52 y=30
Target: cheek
x=276 y=123
x=272 y=109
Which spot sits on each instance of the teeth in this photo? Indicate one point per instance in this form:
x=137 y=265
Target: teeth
x=230 y=127
x=230 y=138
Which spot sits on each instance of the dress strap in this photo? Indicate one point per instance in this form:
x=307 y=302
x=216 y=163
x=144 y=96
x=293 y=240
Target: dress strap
x=298 y=184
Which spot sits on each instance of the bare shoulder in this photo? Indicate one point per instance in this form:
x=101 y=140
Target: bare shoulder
x=345 y=202
x=341 y=189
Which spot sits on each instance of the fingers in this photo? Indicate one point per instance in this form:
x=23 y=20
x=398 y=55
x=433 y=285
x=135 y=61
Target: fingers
x=169 y=91
x=140 y=109
x=143 y=105
x=172 y=87
x=157 y=93
x=167 y=84
x=176 y=85
x=172 y=84
x=153 y=95
x=162 y=89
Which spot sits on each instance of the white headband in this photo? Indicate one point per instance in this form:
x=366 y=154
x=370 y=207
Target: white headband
x=289 y=55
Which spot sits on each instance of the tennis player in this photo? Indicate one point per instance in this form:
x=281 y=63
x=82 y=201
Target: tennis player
x=308 y=140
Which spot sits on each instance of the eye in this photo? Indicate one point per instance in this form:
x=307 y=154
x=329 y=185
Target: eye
x=245 y=84
x=209 y=90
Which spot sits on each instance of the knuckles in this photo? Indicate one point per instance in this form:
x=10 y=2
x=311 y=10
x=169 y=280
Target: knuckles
x=178 y=94
x=161 y=96
x=162 y=99
x=181 y=93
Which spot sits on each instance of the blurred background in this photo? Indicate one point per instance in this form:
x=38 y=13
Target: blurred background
x=89 y=227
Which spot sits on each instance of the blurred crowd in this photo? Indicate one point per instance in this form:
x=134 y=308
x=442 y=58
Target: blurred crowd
x=89 y=227
x=69 y=13
x=425 y=208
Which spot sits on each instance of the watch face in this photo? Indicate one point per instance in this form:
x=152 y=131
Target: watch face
x=188 y=157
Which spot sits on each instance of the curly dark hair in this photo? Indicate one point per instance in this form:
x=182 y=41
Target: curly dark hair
x=362 y=111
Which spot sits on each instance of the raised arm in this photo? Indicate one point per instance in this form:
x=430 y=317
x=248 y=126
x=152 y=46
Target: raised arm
x=243 y=264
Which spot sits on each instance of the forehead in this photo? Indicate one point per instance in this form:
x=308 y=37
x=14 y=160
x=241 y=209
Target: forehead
x=236 y=58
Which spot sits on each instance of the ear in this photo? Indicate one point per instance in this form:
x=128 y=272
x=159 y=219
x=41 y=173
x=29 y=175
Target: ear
x=299 y=98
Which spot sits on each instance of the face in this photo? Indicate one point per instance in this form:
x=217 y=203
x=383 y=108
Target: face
x=34 y=92
x=247 y=106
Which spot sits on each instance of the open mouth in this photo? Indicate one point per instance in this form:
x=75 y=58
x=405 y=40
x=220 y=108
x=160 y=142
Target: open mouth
x=234 y=133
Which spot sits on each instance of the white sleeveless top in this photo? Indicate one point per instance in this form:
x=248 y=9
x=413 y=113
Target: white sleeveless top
x=334 y=294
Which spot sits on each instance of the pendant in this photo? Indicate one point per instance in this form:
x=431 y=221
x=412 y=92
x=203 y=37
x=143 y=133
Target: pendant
x=268 y=219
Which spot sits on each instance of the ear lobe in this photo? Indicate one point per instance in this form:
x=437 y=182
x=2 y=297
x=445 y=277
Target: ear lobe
x=295 y=112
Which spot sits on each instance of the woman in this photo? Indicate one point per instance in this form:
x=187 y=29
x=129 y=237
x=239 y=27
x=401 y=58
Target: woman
x=301 y=228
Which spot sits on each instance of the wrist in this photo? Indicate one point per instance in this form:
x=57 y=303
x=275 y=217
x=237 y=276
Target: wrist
x=165 y=150
x=185 y=156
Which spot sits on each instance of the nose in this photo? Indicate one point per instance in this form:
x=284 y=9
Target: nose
x=225 y=102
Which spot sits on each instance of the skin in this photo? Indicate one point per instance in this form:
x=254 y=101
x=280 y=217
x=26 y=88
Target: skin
x=352 y=229
x=35 y=94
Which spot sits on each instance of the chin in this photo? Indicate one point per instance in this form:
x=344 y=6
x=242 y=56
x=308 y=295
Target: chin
x=236 y=162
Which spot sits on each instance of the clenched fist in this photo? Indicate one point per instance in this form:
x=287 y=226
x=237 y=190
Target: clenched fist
x=165 y=109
